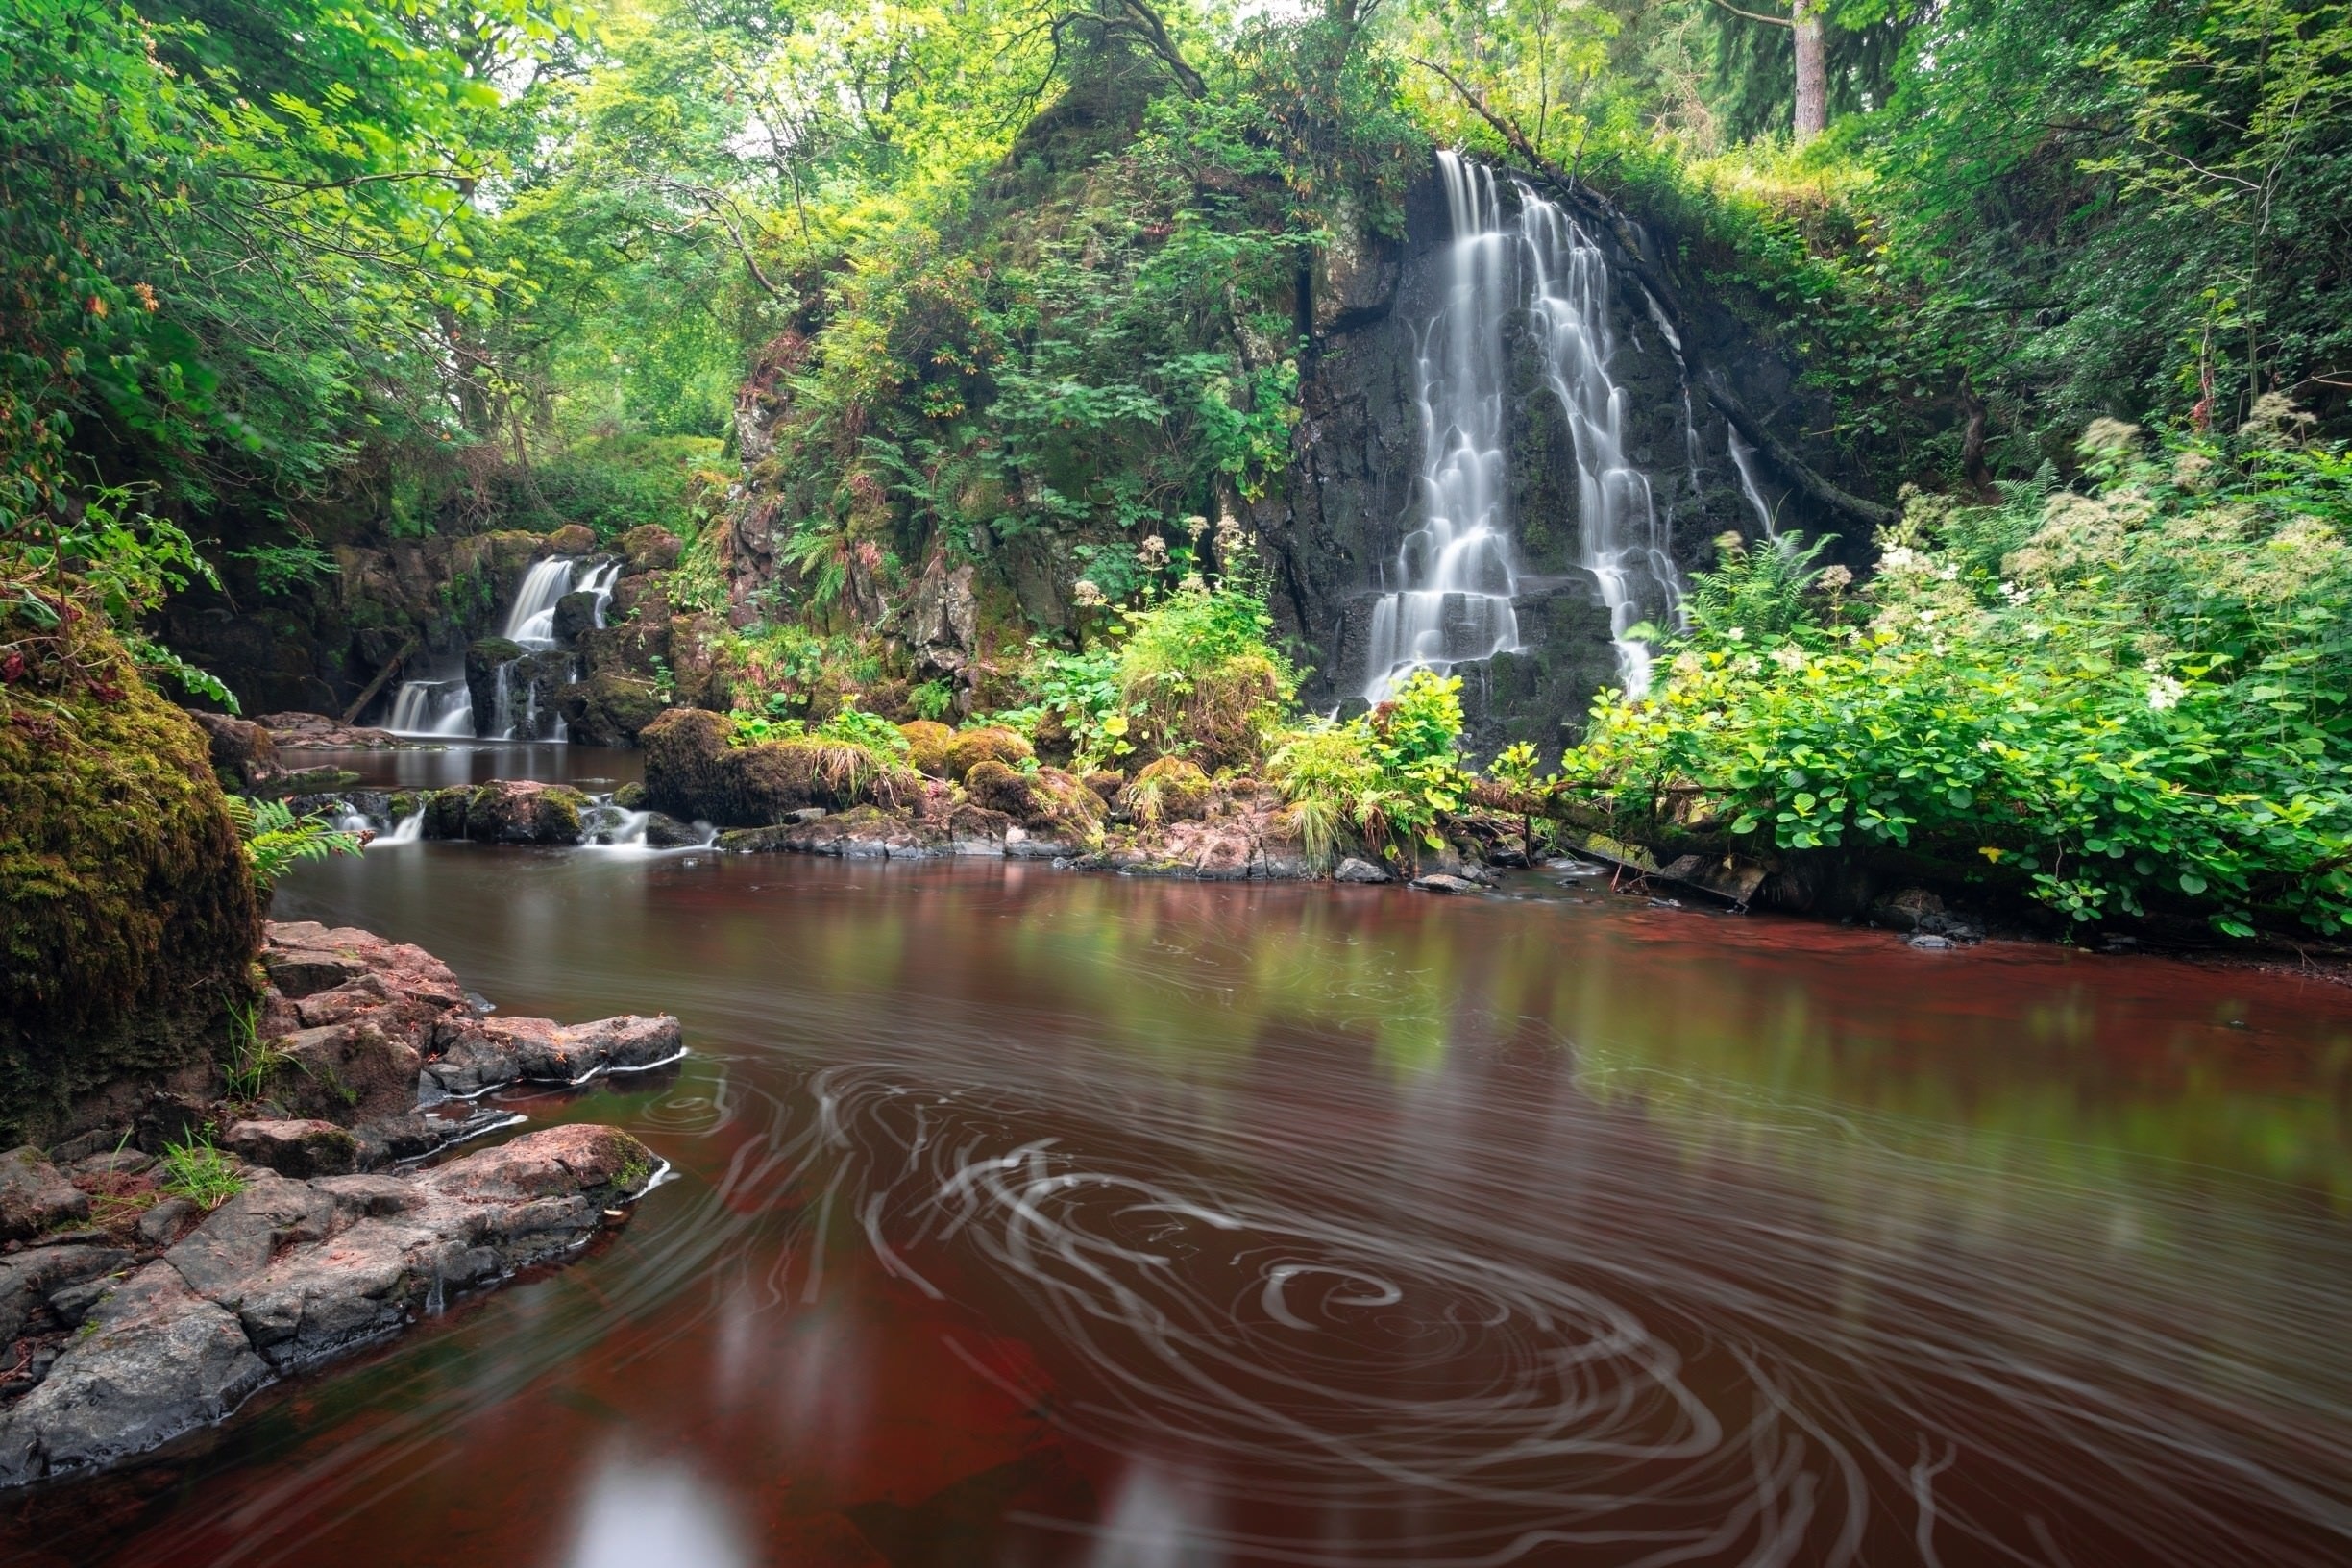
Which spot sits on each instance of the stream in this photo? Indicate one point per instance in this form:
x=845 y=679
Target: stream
x=1033 y=1217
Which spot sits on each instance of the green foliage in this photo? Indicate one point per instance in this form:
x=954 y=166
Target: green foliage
x=195 y=1171
x=253 y=1061
x=622 y=482
x=284 y=569
x=1390 y=776
x=932 y=700
x=2124 y=701
x=1762 y=592
x=276 y=840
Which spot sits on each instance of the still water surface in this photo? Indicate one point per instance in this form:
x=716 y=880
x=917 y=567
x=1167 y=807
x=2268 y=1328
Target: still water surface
x=1034 y=1218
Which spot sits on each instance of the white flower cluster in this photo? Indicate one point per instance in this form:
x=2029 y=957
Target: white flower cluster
x=2164 y=692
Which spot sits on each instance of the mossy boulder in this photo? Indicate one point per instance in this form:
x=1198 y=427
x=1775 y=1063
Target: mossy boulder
x=1170 y=790
x=1048 y=801
x=990 y=744
x=693 y=772
x=572 y=539
x=650 y=548
x=506 y=811
x=927 y=744
x=127 y=916
x=610 y=708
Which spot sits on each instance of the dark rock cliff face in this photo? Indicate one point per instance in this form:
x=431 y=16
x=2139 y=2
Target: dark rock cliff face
x=1354 y=491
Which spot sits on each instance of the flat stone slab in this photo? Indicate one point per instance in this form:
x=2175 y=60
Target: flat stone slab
x=288 y=1274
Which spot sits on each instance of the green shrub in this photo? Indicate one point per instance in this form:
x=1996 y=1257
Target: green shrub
x=1388 y=775
x=2125 y=700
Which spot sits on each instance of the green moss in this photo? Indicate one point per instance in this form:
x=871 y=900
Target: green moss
x=128 y=919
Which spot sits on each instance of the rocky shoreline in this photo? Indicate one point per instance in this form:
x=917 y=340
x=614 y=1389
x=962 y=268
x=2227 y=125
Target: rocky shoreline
x=134 y=1314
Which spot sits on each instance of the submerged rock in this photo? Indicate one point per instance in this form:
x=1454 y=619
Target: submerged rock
x=1440 y=882
x=288 y=1274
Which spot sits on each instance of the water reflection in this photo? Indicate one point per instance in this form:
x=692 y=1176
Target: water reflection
x=633 y=1513
x=1035 y=1219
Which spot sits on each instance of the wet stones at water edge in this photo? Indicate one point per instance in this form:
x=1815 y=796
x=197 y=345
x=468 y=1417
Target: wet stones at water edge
x=368 y=1029
x=283 y=1276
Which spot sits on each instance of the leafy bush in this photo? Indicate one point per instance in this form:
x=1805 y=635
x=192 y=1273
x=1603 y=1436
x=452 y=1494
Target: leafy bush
x=1388 y=775
x=1198 y=673
x=2126 y=700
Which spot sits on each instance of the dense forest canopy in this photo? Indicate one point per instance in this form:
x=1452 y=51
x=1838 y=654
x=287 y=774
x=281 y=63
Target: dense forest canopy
x=925 y=279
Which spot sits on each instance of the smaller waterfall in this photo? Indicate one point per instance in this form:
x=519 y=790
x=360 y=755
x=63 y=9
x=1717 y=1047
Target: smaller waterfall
x=1621 y=540
x=408 y=830
x=440 y=708
x=532 y=621
x=1743 y=458
x=613 y=826
x=600 y=582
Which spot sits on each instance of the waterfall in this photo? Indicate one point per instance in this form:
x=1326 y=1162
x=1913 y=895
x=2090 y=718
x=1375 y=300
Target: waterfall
x=532 y=621
x=600 y=582
x=1455 y=605
x=1743 y=458
x=1620 y=539
x=1456 y=571
x=408 y=830
x=441 y=708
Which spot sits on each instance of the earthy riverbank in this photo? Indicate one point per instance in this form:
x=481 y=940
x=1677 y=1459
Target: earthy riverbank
x=148 y=1285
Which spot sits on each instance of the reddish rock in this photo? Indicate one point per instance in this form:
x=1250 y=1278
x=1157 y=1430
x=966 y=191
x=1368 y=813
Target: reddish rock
x=473 y=1055
x=288 y=1274
x=318 y=732
x=242 y=750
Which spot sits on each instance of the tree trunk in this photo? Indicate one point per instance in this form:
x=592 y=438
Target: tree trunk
x=1812 y=68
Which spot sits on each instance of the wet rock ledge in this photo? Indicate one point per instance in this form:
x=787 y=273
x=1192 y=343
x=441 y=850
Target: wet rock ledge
x=131 y=1316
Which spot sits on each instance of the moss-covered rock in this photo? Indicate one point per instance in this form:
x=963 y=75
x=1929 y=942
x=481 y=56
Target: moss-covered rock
x=128 y=916
x=1171 y=789
x=610 y=708
x=927 y=744
x=1048 y=801
x=693 y=772
x=572 y=539
x=991 y=743
x=650 y=548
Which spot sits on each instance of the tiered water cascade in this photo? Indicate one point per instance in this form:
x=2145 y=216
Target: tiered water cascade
x=1458 y=576
x=441 y=705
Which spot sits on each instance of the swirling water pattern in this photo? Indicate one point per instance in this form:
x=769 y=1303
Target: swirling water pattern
x=1028 y=1218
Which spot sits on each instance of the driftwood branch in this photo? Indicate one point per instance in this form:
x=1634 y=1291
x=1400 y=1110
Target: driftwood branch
x=350 y=714
x=1605 y=215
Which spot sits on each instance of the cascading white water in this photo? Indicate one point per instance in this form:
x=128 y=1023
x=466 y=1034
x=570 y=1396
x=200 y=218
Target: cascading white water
x=1458 y=578
x=600 y=582
x=1621 y=541
x=439 y=708
x=408 y=830
x=1743 y=458
x=532 y=621
x=1455 y=605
